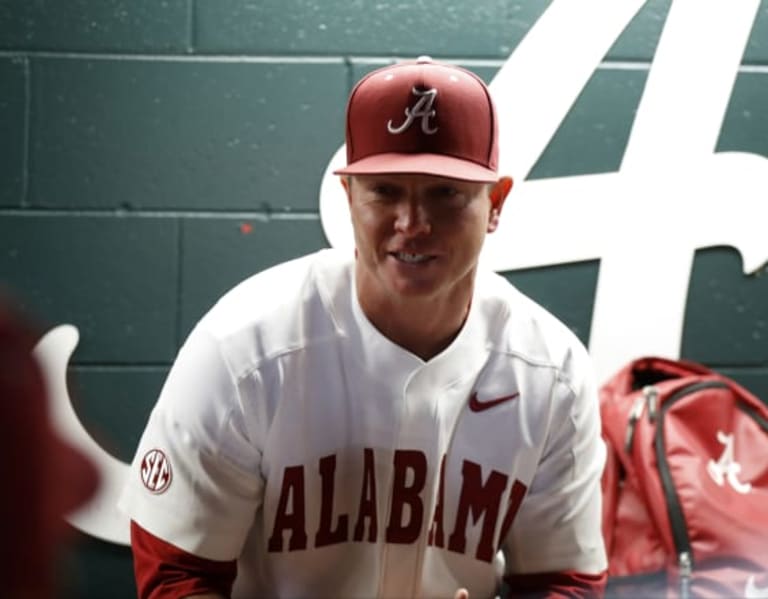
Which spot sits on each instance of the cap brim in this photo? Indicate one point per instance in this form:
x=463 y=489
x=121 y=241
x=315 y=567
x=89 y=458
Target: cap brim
x=438 y=165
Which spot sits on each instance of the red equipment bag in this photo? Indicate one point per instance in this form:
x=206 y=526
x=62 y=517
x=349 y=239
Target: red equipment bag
x=685 y=488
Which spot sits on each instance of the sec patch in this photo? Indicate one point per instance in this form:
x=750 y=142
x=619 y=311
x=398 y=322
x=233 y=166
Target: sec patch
x=156 y=471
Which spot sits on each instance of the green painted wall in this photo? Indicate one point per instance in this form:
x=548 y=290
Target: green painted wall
x=153 y=153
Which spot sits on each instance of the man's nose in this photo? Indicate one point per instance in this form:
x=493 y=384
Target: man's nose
x=412 y=218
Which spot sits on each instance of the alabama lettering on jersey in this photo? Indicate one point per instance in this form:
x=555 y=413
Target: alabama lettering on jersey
x=292 y=435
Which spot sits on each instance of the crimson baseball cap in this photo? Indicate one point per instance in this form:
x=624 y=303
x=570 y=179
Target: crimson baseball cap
x=422 y=117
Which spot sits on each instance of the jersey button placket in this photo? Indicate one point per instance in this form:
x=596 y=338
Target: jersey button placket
x=414 y=460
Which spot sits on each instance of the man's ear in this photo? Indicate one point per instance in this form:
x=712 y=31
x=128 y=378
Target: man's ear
x=346 y=182
x=498 y=195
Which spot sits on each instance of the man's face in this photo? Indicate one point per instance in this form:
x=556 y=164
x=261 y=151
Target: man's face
x=420 y=235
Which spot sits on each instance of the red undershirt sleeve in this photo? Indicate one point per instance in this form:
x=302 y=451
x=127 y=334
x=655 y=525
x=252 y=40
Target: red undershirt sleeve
x=164 y=571
x=556 y=585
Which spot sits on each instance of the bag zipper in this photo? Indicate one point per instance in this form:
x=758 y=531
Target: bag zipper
x=686 y=569
x=651 y=394
x=649 y=397
x=674 y=509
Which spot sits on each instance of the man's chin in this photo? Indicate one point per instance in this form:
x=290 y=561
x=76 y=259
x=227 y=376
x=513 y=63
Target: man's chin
x=410 y=288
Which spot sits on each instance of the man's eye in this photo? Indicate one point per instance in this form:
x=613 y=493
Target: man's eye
x=444 y=192
x=386 y=191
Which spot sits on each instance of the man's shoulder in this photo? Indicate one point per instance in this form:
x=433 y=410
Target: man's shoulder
x=284 y=306
x=527 y=330
x=273 y=290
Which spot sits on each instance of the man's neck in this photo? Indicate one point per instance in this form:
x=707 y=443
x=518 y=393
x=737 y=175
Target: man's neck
x=424 y=326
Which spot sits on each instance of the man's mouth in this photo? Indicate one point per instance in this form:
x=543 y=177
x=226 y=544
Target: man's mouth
x=410 y=258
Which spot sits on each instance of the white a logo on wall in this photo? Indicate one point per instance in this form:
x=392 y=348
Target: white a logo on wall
x=658 y=185
x=421 y=110
x=671 y=144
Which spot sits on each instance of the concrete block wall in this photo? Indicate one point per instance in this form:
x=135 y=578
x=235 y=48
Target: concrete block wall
x=154 y=153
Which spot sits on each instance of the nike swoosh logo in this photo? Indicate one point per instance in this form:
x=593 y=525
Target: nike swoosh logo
x=753 y=591
x=478 y=406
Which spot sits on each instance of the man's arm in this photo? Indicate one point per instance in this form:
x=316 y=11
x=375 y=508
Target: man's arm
x=555 y=548
x=195 y=483
x=556 y=585
x=164 y=571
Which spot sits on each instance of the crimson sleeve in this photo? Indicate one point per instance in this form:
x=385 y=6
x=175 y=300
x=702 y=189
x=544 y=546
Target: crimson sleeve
x=556 y=585
x=164 y=571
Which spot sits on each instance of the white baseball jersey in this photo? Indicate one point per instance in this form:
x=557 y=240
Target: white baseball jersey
x=293 y=435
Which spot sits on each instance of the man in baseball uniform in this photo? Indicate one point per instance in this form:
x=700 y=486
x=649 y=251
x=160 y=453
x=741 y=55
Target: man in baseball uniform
x=396 y=422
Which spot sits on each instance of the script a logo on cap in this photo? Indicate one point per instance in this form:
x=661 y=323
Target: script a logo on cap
x=422 y=109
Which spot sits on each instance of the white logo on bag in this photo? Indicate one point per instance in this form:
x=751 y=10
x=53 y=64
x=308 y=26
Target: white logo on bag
x=726 y=468
x=752 y=591
x=422 y=109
